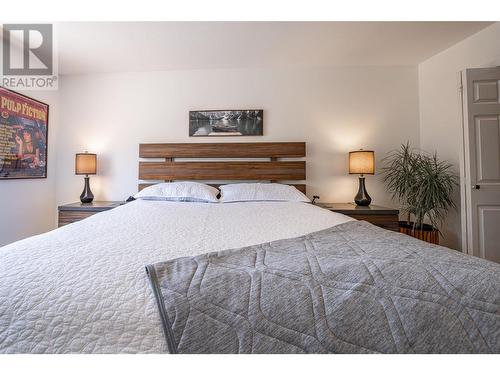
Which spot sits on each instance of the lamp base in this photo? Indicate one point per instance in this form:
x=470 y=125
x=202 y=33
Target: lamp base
x=362 y=198
x=86 y=196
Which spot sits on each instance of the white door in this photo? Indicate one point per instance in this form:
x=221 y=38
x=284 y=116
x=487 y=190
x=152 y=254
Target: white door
x=481 y=119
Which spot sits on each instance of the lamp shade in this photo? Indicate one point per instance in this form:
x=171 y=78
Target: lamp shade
x=362 y=162
x=85 y=163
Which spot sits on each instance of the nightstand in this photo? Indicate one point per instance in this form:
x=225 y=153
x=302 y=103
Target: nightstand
x=387 y=218
x=69 y=213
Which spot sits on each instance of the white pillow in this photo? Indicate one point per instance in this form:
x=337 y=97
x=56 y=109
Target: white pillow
x=186 y=191
x=245 y=192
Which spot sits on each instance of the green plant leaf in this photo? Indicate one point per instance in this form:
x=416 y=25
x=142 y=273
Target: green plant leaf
x=422 y=184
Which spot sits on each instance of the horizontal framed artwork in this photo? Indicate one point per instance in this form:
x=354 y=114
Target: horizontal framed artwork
x=243 y=122
x=23 y=136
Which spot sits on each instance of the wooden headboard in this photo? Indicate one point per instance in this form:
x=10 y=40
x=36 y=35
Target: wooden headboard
x=273 y=170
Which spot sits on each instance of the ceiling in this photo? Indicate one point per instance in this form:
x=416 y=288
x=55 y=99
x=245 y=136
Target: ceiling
x=148 y=46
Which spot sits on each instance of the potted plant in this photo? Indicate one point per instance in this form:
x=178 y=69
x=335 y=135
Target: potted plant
x=424 y=186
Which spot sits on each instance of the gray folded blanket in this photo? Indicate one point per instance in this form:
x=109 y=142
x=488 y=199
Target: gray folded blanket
x=352 y=288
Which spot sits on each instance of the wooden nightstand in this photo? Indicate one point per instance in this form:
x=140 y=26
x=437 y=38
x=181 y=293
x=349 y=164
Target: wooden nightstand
x=69 y=213
x=387 y=218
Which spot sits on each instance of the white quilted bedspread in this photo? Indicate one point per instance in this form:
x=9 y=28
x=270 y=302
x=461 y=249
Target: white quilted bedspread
x=82 y=288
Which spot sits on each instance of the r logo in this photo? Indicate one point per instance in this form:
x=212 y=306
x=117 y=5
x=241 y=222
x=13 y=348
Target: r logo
x=27 y=50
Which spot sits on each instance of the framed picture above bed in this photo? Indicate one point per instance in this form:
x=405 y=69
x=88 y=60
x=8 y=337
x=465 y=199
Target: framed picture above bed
x=242 y=122
x=23 y=136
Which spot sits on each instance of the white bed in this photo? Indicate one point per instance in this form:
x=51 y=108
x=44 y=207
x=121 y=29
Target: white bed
x=83 y=289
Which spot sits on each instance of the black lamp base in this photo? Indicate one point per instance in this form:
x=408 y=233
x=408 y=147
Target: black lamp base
x=86 y=196
x=362 y=198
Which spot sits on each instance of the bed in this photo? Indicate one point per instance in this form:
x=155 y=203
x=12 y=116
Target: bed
x=83 y=288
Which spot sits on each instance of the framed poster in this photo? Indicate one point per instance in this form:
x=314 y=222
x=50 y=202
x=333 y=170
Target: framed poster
x=226 y=123
x=23 y=136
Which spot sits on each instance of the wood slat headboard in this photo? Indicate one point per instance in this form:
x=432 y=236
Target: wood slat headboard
x=252 y=170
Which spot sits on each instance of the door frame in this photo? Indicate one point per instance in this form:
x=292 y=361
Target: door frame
x=465 y=187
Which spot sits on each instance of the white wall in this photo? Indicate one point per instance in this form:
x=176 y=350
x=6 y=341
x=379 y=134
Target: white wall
x=334 y=110
x=27 y=207
x=440 y=124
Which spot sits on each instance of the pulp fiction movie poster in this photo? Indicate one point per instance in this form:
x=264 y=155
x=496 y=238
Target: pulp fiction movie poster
x=23 y=136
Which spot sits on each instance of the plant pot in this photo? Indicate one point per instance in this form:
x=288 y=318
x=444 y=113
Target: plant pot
x=427 y=233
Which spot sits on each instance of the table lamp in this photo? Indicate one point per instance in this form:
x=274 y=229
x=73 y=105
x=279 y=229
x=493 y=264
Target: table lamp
x=86 y=164
x=362 y=162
